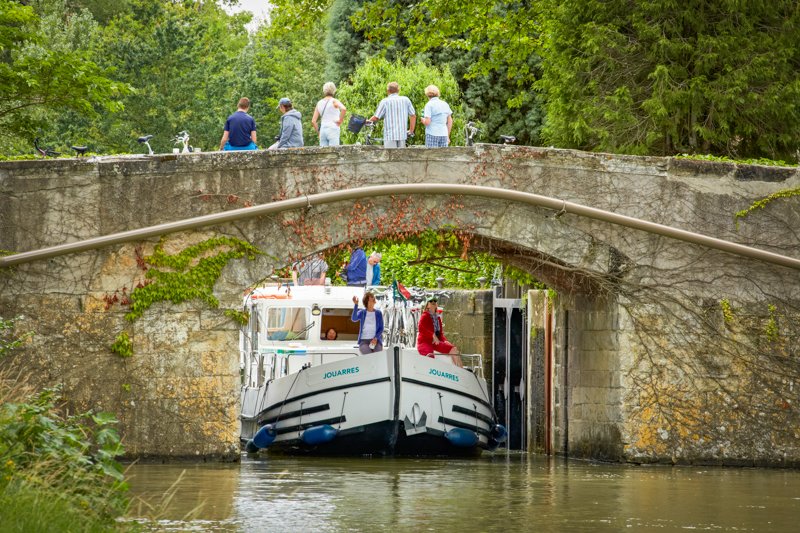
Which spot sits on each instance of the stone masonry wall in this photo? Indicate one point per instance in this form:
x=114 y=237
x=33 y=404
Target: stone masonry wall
x=468 y=324
x=664 y=351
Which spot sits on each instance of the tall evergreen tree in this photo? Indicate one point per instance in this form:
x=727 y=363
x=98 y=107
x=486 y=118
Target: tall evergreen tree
x=665 y=77
x=347 y=47
x=342 y=43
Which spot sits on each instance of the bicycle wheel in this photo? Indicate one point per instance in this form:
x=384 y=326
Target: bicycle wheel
x=395 y=327
x=412 y=335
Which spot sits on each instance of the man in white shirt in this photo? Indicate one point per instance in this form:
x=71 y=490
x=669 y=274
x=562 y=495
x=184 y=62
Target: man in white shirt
x=398 y=111
x=437 y=118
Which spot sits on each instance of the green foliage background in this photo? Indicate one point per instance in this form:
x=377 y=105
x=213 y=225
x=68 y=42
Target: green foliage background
x=659 y=77
x=664 y=77
x=367 y=87
x=420 y=259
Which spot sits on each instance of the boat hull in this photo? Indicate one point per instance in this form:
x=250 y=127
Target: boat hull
x=394 y=402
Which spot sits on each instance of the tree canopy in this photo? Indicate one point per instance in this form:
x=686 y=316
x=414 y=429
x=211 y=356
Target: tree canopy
x=660 y=77
x=667 y=77
x=47 y=68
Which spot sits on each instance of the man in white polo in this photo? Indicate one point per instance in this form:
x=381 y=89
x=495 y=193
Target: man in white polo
x=397 y=111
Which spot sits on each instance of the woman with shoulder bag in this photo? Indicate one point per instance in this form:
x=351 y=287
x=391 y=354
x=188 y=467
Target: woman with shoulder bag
x=330 y=112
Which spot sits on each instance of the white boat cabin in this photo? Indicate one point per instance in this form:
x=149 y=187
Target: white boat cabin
x=288 y=326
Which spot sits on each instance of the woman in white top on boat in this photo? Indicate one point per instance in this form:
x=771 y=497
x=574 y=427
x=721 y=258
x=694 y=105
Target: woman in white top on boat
x=332 y=112
x=370 y=324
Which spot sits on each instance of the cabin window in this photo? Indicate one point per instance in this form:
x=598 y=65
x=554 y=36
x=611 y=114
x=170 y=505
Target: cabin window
x=288 y=323
x=339 y=319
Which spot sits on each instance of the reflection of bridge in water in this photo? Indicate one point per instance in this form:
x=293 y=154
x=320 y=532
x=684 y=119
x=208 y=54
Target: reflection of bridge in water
x=608 y=334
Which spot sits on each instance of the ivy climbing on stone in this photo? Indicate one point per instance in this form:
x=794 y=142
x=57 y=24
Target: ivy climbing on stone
x=763 y=202
x=122 y=345
x=187 y=275
x=240 y=317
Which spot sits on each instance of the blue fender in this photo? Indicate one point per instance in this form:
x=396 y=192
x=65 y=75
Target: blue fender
x=319 y=434
x=250 y=447
x=464 y=438
x=499 y=433
x=265 y=436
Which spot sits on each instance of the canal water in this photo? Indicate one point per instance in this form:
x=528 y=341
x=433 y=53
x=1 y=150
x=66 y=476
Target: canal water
x=498 y=492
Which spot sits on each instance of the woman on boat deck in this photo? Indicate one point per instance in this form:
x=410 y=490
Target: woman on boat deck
x=370 y=326
x=431 y=337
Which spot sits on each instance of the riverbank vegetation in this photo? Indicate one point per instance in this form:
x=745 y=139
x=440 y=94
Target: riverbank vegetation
x=58 y=471
x=650 y=78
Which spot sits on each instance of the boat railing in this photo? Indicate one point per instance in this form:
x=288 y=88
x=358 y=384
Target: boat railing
x=473 y=362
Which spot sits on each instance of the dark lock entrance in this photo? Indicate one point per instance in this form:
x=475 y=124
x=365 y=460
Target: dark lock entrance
x=509 y=367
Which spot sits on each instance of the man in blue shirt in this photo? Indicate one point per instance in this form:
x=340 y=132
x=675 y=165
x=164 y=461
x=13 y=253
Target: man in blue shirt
x=357 y=268
x=397 y=111
x=240 y=129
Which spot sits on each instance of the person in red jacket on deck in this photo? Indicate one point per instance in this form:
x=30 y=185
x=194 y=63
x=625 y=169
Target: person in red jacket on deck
x=431 y=337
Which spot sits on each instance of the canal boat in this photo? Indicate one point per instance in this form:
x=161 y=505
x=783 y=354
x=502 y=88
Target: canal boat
x=304 y=394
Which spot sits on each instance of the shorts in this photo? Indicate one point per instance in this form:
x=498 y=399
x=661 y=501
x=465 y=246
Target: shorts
x=329 y=135
x=399 y=143
x=433 y=141
x=429 y=349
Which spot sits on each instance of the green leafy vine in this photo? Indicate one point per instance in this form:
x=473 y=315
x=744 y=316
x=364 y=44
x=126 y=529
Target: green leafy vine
x=192 y=273
x=240 y=317
x=122 y=345
x=10 y=338
x=762 y=203
x=771 y=329
x=186 y=275
x=727 y=312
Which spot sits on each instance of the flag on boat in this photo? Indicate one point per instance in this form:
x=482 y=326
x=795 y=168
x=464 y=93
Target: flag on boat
x=399 y=292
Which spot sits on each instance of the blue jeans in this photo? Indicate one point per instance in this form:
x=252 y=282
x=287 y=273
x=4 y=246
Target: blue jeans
x=251 y=146
x=329 y=135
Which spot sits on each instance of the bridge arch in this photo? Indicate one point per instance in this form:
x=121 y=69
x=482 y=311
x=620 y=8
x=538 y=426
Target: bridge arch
x=638 y=309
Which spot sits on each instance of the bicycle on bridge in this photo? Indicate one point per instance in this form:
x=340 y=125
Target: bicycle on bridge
x=49 y=152
x=471 y=131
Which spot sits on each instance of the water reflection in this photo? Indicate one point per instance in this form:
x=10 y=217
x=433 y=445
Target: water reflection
x=509 y=492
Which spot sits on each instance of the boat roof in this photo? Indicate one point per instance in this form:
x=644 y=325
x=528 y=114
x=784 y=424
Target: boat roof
x=289 y=296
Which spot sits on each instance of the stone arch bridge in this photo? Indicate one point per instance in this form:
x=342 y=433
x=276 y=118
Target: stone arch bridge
x=664 y=350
